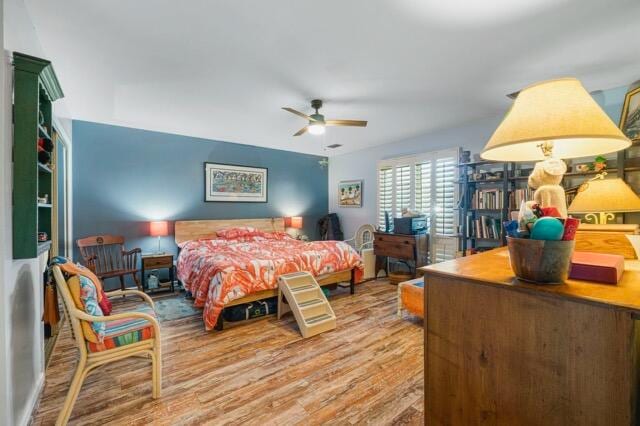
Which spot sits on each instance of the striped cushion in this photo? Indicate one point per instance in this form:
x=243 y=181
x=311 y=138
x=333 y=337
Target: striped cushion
x=125 y=331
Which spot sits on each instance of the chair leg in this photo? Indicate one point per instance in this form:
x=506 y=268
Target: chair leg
x=135 y=278
x=156 y=375
x=72 y=395
x=121 y=282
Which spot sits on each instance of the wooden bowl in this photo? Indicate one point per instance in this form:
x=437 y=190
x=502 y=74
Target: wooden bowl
x=539 y=261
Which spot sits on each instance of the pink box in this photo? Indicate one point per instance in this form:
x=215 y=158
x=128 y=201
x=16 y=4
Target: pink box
x=603 y=268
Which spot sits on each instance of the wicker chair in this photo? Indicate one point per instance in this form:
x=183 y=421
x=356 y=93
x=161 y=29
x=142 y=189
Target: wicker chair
x=106 y=257
x=363 y=239
x=89 y=360
x=362 y=242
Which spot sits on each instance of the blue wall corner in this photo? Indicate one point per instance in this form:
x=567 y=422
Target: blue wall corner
x=123 y=178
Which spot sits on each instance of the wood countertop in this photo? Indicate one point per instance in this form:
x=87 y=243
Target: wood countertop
x=492 y=268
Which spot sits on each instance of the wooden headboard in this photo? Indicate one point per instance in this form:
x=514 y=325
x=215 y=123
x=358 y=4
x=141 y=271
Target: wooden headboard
x=193 y=229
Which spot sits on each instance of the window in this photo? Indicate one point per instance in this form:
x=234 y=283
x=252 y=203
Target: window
x=425 y=183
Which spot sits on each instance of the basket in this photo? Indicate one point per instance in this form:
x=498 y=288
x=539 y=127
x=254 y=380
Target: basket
x=540 y=261
x=397 y=277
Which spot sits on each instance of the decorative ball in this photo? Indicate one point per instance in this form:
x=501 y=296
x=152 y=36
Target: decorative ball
x=547 y=228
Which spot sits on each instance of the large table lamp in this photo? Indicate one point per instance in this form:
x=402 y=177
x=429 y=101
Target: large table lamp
x=599 y=199
x=556 y=118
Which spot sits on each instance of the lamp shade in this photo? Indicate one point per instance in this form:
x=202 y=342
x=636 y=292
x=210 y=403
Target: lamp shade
x=610 y=195
x=293 y=222
x=558 y=111
x=296 y=222
x=159 y=228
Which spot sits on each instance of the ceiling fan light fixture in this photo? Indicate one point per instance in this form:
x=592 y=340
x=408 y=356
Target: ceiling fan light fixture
x=316 y=128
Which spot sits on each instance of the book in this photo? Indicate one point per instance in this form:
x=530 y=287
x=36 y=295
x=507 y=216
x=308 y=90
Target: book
x=598 y=267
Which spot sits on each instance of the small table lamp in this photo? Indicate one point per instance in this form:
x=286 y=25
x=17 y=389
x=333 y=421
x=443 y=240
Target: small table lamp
x=598 y=199
x=159 y=229
x=294 y=222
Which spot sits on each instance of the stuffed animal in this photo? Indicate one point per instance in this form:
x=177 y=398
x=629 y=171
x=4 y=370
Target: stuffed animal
x=545 y=179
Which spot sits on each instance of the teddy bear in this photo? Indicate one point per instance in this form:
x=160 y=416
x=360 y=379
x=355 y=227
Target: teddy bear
x=545 y=179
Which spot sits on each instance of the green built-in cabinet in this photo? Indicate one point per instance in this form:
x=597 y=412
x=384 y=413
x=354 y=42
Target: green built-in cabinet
x=36 y=87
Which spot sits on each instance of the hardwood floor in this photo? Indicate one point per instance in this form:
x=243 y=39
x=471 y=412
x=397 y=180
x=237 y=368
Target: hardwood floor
x=367 y=371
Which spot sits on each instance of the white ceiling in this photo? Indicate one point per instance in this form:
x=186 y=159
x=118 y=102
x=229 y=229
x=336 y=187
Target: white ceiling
x=222 y=69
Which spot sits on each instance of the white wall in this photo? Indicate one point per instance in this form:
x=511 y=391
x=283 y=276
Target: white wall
x=470 y=136
x=363 y=165
x=21 y=304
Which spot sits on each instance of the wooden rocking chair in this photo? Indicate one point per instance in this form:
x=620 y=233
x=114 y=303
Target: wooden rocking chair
x=106 y=257
x=125 y=322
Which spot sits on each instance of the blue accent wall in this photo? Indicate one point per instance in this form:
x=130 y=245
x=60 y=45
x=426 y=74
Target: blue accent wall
x=123 y=178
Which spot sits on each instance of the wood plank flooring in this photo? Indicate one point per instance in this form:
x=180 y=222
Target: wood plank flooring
x=367 y=371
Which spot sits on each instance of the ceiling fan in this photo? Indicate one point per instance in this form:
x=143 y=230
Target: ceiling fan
x=317 y=123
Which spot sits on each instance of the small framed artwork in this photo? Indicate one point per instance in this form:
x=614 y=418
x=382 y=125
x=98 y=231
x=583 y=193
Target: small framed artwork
x=232 y=183
x=350 y=193
x=630 y=118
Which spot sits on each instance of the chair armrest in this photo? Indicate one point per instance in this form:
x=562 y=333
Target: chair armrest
x=130 y=258
x=144 y=296
x=351 y=242
x=124 y=315
x=368 y=244
x=132 y=251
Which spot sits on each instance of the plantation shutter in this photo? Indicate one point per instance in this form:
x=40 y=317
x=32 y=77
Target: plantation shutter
x=445 y=242
x=445 y=176
x=385 y=193
x=423 y=188
x=402 y=189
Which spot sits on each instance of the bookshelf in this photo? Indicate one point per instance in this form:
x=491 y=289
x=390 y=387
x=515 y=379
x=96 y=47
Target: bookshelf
x=35 y=89
x=483 y=204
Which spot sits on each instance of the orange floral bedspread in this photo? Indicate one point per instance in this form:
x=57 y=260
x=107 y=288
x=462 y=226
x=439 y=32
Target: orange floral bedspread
x=217 y=271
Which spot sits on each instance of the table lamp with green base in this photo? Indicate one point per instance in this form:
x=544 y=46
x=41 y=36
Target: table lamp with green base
x=599 y=199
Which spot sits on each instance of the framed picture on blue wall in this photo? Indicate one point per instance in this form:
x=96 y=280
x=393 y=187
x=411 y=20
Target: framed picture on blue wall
x=233 y=183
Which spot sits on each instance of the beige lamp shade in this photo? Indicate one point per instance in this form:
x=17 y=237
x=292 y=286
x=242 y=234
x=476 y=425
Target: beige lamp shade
x=610 y=195
x=558 y=111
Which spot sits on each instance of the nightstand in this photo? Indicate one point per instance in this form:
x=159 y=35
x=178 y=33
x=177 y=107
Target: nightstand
x=157 y=261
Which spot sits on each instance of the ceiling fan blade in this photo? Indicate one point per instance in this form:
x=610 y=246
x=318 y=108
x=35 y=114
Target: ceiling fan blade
x=298 y=113
x=301 y=131
x=355 y=123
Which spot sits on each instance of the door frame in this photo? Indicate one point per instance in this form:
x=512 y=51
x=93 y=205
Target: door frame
x=64 y=139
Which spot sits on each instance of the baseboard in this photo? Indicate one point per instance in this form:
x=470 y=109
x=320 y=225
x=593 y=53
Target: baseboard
x=34 y=402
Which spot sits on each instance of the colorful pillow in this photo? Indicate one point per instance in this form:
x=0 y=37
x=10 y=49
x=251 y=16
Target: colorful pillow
x=105 y=303
x=87 y=294
x=241 y=231
x=89 y=297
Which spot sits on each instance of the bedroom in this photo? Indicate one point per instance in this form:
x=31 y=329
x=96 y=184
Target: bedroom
x=169 y=132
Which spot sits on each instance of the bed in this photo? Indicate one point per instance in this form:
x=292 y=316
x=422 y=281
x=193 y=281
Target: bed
x=230 y=262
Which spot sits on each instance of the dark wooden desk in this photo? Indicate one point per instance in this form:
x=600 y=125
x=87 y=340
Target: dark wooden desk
x=499 y=351
x=413 y=248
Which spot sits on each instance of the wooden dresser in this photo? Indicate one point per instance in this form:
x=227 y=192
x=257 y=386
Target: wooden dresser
x=413 y=248
x=499 y=351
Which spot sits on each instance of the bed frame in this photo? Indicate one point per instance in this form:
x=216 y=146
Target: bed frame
x=186 y=230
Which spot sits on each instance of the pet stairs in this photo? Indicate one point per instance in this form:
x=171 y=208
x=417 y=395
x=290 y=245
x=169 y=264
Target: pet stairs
x=308 y=303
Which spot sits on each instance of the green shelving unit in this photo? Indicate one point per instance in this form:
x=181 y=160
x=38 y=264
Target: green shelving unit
x=36 y=87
